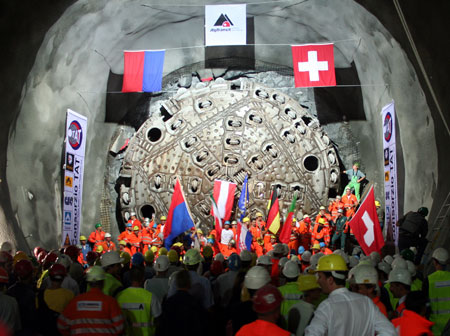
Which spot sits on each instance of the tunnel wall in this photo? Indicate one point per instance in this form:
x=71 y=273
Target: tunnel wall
x=72 y=65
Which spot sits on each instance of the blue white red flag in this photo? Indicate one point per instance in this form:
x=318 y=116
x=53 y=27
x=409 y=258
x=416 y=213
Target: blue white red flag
x=143 y=70
x=179 y=218
x=244 y=238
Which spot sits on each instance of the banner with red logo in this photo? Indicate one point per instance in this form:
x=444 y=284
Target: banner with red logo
x=76 y=127
x=225 y=25
x=366 y=227
x=313 y=65
x=390 y=171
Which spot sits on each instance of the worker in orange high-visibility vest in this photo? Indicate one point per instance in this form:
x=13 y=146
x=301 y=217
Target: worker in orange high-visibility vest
x=92 y=312
x=147 y=235
x=127 y=234
x=304 y=231
x=135 y=240
x=293 y=238
x=134 y=221
x=97 y=237
x=321 y=232
x=350 y=203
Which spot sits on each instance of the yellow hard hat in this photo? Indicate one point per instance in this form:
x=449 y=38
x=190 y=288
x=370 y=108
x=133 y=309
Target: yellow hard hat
x=123 y=242
x=163 y=251
x=192 y=257
x=20 y=256
x=200 y=231
x=321 y=221
x=163 y=218
x=322 y=207
x=294 y=219
x=179 y=244
x=246 y=220
x=149 y=256
x=331 y=262
x=307 y=282
x=99 y=249
x=136 y=228
x=207 y=251
x=173 y=256
x=126 y=257
x=273 y=237
x=82 y=238
x=258 y=214
x=316 y=247
x=154 y=249
x=377 y=203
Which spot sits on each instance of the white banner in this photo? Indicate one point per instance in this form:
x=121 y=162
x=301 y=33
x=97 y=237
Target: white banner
x=76 y=127
x=225 y=25
x=390 y=170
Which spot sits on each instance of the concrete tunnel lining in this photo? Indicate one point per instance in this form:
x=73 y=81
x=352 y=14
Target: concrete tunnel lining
x=62 y=76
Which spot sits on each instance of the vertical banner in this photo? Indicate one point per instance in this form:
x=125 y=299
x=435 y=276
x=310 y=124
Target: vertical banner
x=76 y=126
x=390 y=170
x=225 y=25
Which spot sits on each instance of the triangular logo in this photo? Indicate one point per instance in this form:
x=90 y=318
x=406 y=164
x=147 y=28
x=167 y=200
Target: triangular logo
x=67 y=240
x=223 y=21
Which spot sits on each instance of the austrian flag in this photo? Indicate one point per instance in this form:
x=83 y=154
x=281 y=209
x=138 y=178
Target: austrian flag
x=224 y=196
x=313 y=65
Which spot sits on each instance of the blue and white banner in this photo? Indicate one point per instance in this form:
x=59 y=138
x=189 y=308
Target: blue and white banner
x=390 y=170
x=76 y=127
x=225 y=25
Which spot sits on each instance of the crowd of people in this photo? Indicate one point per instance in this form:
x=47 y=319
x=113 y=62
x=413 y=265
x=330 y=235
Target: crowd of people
x=318 y=283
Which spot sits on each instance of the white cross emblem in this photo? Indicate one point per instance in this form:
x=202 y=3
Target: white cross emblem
x=313 y=66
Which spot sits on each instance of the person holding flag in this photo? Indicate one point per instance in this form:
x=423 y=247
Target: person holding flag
x=288 y=233
x=273 y=218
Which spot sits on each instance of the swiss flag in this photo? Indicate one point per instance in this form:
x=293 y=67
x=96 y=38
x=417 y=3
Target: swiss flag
x=365 y=226
x=313 y=65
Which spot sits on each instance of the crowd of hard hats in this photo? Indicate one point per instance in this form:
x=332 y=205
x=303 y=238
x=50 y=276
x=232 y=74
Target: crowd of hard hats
x=204 y=292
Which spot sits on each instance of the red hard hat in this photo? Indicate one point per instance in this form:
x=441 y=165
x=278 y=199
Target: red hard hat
x=307 y=220
x=57 y=271
x=37 y=250
x=23 y=268
x=49 y=259
x=5 y=257
x=72 y=251
x=217 y=267
x=267 y=299
x=41 y=256
x=4 y=277
x=91 y=256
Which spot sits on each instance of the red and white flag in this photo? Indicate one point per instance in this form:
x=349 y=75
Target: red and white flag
x=366 y=227
x=313 y=65
x=223 y=194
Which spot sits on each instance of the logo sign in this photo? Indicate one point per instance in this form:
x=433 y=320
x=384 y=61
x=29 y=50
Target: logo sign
x=386 y=176
x=69 y=161
x=314 y=65
x=387 y=127
x=75 y=134
x=67 y=216
x=68 y=181
x=68 y=200
x=225 y=25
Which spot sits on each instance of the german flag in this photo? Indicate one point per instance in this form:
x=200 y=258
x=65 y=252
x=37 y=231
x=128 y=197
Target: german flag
x=273 y=218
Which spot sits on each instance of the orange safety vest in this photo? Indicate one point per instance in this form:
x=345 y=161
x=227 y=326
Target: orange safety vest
x=96 y=238
x=349 y=204
x=91 y=313
x=125 y=235
x=412 y=324
x=256 y=232
x=380 y=305
x=260 y=327
x=107 y=247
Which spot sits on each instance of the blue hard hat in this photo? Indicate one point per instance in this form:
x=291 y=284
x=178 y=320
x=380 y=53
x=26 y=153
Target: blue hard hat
x=227 y=222
x=137 y=259
x=301 y=249
x=210 y=241
x=322 y=244
x=128 y=225
x=234 y=262
x=155 y=226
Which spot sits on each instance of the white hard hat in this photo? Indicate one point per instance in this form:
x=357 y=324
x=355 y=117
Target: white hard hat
x=306 y=256
x=278 y=248
x=388 y=259
x=315 y=259
x=95 y=273
x=6 y=246
x=246 y=255
x=411 y=267
x=401 y=275
x=441 y=255
x=64 y=260
x=353 y=261
x=270 y=253
x=294 y=258
x=290 y=270
x=219 y=256
x=366 y=275
x=133 y=214
x=365 y=260
x=375 y=256
x=282 y=262
x=399 y=263
x=385 y=267
x=256 y=277
x=356 y=250
x=286 y=249
x=264 y=260
x=110 y=258
x=107 y=235
x=162 y=263
x=146 y=220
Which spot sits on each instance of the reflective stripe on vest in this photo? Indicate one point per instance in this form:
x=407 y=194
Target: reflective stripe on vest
x=439 y=293
x=291 y=296
x=136 y=307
